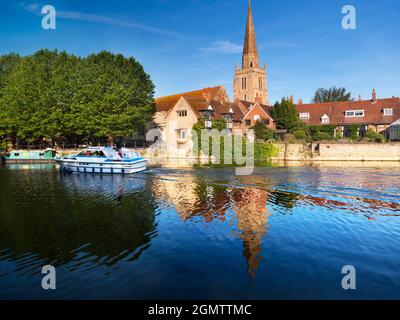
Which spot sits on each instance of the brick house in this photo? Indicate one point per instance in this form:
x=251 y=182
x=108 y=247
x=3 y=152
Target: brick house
x=375 y=114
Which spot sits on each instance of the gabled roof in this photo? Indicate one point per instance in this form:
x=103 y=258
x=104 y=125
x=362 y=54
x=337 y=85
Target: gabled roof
x=248 y=105
x=336 y=111
x=166 y=103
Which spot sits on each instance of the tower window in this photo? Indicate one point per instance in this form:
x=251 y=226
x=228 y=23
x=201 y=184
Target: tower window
x=260 y=83
x=244 y=83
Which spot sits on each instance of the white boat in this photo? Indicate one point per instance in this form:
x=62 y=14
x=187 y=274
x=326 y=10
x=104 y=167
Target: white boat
x=103 y=160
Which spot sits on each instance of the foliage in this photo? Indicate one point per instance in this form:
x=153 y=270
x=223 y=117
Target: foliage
x=301 y=134
x=333 y=94
x=354 y=129
x=262 y=151
x=285 y=115
x=56 y=97
x=262 y=132
x=373 y=136
x=265 y=151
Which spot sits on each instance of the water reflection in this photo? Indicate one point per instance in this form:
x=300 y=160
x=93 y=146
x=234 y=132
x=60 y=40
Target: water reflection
x=244 y=208
x=80 y=220
x=150 y=229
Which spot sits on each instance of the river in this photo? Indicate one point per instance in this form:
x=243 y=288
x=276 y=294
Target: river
x=280 y=233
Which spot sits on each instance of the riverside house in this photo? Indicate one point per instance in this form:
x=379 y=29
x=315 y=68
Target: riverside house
x=177 y=114
x=375 y=114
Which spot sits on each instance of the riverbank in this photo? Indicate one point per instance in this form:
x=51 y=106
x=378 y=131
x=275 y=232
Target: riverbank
x=338 y=152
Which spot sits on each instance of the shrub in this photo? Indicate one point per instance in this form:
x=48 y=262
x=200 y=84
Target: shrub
x=300 y=134
x=324 y=136
x=264 y=151
x=373 y=136
x=262 y=132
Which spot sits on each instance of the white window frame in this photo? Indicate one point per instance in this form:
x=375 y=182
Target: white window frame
x=182 y=134
x=353 y=113
x=325 y=119
x=388 y=112
x=304 y=116
x=257 y=117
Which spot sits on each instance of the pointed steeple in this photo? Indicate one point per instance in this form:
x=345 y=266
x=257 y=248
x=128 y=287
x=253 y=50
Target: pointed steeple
x=250 y=51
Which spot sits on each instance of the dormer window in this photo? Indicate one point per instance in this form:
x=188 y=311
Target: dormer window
x=304 y=115
x=355 y=113
x=325 y=119
x=388 y=112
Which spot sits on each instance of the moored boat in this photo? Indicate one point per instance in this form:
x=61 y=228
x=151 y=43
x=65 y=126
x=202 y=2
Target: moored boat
x=31 y=155
x=104 y=160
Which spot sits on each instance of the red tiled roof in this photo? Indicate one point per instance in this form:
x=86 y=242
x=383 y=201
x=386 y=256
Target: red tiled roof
x=168 y=102
x=336 y=111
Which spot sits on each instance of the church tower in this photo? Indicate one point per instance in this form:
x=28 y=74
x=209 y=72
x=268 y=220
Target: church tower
x=250 y=83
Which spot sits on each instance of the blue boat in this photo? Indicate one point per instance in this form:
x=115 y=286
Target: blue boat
x=104 y=160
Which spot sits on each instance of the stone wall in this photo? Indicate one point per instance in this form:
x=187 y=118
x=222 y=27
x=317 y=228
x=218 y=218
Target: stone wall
x=339 y=152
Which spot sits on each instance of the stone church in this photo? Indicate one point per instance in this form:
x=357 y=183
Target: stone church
x=250 y=83
x=178 y=113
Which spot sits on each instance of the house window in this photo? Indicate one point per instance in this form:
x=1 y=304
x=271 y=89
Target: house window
x=182 y=113
x=325 y=119
x=256 y=117
x=248 y=123
x=355 y=113
x=304 y=115
x=266 y=122
x=182 y=134
x=388 y=112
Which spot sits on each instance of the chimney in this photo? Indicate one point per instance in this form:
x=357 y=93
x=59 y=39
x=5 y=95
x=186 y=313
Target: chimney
x=291 y=98
x=374 y=96
x=359 y=97
x=300 y=101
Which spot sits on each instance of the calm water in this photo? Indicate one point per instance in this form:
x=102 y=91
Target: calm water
x=278 y=234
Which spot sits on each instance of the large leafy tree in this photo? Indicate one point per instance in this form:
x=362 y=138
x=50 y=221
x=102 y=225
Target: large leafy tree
x=285 y=114
x=333 y=94
x=115 y=96
x=7 y=65
x=53 y=96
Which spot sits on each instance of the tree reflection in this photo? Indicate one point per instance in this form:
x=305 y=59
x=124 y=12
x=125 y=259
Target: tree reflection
x=72 y=219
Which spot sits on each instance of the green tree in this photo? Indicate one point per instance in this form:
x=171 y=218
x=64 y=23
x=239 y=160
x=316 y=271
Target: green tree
x=8 y=64
x=262 y=132
x=115 y=97
x=285 y=115
x=333 y=94
x=56 y=97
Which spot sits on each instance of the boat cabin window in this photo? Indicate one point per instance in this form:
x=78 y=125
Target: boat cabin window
x=16 y=154
x=90 y=153
x=41 y=154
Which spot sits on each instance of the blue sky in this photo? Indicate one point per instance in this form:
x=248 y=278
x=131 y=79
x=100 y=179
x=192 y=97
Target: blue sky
x=190 y=44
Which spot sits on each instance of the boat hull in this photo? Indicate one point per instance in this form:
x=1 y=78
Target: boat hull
x=103 y=168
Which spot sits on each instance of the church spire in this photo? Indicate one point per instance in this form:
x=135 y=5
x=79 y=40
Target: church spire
x=250 y=51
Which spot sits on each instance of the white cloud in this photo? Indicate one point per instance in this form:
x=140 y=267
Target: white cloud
x=80 y=16
x=223 y=46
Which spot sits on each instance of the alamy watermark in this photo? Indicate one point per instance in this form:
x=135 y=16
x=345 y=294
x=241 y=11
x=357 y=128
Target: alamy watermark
x=349 y=21
x=204 y=147
x=49 y=19
x=349 y=280
x=49 y=280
